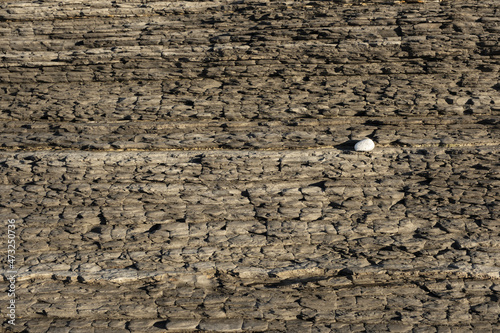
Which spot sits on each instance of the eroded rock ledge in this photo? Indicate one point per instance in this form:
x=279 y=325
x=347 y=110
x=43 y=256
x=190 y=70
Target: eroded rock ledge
x=189 y=166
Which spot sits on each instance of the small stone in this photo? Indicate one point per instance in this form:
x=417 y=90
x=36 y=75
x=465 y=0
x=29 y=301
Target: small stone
x=364 y=145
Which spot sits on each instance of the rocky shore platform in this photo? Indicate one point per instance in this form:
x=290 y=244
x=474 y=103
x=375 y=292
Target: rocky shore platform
x=188 y=166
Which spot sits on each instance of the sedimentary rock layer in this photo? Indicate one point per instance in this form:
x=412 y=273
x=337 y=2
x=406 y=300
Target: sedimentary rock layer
x=189 y=166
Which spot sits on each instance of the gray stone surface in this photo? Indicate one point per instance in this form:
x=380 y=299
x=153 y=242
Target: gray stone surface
x=188 y=166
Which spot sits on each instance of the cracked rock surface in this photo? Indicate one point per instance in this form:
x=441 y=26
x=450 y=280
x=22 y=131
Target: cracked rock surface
x=188 y=166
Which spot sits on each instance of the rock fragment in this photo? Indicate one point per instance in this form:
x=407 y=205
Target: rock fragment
x=364 y=145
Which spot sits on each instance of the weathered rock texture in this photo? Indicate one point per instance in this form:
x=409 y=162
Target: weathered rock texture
x=188 y=166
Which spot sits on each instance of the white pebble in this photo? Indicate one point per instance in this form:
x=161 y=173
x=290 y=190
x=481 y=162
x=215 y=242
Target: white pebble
x=364 y=145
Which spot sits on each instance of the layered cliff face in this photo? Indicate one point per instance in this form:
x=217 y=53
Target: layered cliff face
x=189 y=166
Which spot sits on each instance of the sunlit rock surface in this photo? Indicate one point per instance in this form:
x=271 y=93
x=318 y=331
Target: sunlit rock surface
x=186 y=166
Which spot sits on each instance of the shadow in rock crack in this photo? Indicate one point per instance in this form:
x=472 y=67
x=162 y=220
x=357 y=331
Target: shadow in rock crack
x=346 y=145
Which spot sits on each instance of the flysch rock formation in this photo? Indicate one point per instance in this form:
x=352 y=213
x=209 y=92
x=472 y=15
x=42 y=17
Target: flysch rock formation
x=189 y=166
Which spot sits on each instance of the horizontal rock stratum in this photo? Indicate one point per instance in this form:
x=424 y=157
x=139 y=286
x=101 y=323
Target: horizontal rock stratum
x=188 y=166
